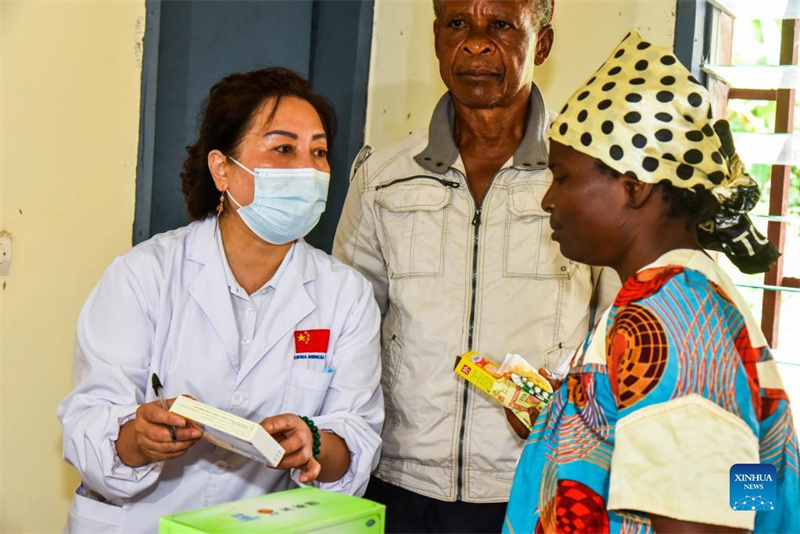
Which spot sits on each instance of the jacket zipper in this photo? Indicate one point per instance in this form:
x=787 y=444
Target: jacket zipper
x=447 y=183
x=476 y=223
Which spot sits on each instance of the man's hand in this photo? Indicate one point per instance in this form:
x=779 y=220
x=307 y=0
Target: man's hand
x=517 y=425
x=146 y=439
x=293 y=434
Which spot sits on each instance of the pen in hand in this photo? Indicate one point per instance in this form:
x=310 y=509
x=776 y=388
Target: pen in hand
x=159 y=391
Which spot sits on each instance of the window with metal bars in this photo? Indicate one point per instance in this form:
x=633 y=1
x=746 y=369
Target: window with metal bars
x=746 y=52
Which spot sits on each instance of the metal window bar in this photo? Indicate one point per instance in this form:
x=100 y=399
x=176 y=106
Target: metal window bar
x=777 y=289
x=769 y=77
x=772 y=149
x=777 y=218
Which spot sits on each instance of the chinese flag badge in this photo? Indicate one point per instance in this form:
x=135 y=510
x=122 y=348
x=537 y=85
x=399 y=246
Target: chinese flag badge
x=311 y=341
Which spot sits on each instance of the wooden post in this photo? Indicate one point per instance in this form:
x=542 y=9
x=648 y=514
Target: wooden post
x=779 y=190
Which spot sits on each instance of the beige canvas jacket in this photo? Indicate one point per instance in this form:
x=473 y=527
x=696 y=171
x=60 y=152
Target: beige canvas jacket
x=450 y=277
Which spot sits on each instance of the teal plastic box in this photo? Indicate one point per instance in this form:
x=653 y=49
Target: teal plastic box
x=301 y=510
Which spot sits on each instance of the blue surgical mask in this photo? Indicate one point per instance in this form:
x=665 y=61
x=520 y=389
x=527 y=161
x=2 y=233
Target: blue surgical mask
x=287 y=203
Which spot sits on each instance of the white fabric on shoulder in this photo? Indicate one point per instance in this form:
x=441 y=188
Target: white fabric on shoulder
x=673 y=459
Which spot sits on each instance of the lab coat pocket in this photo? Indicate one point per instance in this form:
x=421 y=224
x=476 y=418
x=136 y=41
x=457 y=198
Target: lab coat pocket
x=530 y=251
x=306 y=390
x=88 y=515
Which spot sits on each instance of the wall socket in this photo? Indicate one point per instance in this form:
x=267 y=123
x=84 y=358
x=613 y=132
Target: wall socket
x=5 y=253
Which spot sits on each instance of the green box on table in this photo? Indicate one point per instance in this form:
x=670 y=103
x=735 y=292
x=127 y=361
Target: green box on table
x=301 y=510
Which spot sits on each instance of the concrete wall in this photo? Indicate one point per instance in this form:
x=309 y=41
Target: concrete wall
x=68 y=144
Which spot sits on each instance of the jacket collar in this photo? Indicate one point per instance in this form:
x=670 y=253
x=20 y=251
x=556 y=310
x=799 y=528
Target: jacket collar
x=442 y=152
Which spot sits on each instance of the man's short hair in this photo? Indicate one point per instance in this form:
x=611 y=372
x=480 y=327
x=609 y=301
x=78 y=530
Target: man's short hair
x=543 y=13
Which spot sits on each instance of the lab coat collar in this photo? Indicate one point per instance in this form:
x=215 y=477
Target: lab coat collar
x=209 y=288
x=290 y=305
x=234 y=286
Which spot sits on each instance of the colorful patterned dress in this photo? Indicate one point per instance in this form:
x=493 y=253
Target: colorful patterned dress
x=674 y=387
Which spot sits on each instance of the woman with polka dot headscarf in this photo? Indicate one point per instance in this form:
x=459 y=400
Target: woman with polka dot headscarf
x=676 y=384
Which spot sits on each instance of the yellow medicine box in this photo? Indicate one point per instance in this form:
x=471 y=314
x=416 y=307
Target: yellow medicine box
x=516 y=384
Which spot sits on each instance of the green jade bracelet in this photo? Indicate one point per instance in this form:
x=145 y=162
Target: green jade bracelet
x=315 y=433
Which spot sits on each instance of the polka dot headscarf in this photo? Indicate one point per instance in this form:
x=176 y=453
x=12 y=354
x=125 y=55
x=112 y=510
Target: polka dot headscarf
x=643 y=114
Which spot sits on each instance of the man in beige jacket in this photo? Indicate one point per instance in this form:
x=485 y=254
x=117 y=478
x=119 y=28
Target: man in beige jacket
x=448 y=226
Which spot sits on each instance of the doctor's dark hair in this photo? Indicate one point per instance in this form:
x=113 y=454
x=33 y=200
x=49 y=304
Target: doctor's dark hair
x=225 y=118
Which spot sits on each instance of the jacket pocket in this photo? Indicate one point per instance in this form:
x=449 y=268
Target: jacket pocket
x=414 y=222
x=554 y=357
x=529 y=248
x=392 y=361
x=89 y=515
x=306 y=390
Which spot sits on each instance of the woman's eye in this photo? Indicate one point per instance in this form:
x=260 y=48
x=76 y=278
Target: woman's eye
x=284 y=149
x=321 y=153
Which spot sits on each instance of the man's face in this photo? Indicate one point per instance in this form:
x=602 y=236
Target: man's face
x=487 y=49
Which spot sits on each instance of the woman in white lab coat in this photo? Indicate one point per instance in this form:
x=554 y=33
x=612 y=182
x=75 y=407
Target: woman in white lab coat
x=236 y=310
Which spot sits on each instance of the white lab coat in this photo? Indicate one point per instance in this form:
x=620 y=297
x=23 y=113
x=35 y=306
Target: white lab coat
x=165 y=307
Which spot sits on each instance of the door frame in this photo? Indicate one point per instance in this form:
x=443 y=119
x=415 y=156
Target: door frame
x=326 y=31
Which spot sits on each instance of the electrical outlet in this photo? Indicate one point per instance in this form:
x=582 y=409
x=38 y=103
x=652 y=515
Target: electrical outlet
x=5 y=253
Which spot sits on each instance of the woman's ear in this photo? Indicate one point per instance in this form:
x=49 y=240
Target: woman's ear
x=637 y=193
x=218 y=166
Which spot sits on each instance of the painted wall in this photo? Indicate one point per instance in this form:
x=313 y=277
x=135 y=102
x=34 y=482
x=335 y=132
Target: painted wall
x=68 y=145
x=404 y=73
